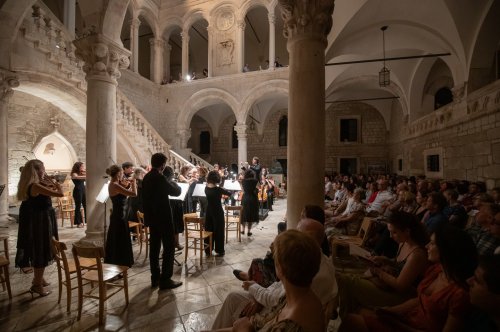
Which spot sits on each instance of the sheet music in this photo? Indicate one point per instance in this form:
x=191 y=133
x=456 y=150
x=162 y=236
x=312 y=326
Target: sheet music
x=103 y=195
x=184 y=190
x=232 y=185
x=358 y=251
x=199 y=190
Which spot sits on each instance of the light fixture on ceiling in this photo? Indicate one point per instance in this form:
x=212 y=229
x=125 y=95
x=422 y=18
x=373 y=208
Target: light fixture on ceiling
x=384 y=75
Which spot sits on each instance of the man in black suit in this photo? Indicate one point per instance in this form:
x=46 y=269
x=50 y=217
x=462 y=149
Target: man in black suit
x=158 y=217
x=256 y=167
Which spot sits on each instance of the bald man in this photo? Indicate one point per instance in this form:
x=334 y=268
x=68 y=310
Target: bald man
x=257 y=298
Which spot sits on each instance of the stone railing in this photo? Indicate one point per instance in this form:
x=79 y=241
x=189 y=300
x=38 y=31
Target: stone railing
x=434 y=121
x=43 y=31
x=484 y=100
x=144 y=136
x=198 y=161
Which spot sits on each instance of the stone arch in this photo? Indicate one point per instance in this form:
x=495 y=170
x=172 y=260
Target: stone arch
x=193 y=16
x=223 y=5
x=61 y=153
x=171 y=23
x=202 y=99
x=68 y=99
x=262 y=90
x=249 y=4
x=114 y=16
x=150 y=19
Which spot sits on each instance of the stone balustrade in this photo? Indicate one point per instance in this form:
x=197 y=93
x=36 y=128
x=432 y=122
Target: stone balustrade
x=129 y=117
x=196 y=160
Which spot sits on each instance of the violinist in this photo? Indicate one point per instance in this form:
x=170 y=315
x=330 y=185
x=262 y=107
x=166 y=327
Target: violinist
x=250 y=202
x=78 y=176
x=128 y=172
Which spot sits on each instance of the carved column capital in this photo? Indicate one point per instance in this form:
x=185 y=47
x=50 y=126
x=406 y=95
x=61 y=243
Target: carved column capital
x=458 y=92
x=103 y=58
x=157 y=42
x=8 y=81
x=185 y=36
x=272 y=18
x=210 y=29
x=241 y=131
x=135 y=23
x=168 y=47
x=241 y=24
x=307 y=17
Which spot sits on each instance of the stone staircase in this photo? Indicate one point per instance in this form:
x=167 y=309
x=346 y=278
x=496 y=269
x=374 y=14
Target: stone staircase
x=44 y=33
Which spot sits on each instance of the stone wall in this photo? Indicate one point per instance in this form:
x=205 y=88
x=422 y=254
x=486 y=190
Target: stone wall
x=28 y=122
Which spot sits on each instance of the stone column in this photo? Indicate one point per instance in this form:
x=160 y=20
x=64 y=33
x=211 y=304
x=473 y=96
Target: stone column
x=166 y=65
x=103 y=58
x=272 y=42
x=185 y=53
x=183 y=137
x=240 y=62
x=8 y=81
x=156 y=64
x=134 y=44
x=210 y=31
x=307 y=25
x=241 y=132
x=69 y=16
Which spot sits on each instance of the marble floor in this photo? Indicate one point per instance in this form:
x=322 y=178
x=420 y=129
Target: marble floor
x=191 y=307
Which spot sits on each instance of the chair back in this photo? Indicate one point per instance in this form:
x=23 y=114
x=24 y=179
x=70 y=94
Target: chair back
x=5 y=250
x=96 y=253
x=193 y=224
x=59 y=251
x=364 y=230
x=140 y=217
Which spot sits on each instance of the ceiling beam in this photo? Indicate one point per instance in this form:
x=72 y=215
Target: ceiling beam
x=361 y=99
x=432 y=55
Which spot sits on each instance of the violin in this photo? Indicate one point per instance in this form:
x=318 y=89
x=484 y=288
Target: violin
x=49 y=182
x=262 y=194
x=125 y=182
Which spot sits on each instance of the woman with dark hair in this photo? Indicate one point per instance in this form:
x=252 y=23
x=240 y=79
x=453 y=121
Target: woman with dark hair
x=214 y=217
x=443 y=300
x=250 y=202
x=421 y=199
x=389 y=281
x=78 y=176
x=177 y=208
x=118 y=244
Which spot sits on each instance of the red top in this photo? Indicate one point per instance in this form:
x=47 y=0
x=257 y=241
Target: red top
x=372 y=197
x=433 y=309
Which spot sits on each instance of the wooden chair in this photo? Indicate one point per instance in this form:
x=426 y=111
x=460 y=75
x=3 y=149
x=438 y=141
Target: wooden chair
x=360 y=239
x=194 y=232
x=67 y=266
x=104 y=275
x=66 y=209
x=144 y=230
x=136 y=226
x=4 y=264
x=233 y=222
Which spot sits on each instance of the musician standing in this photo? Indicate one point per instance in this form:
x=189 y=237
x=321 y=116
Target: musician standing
x=78 y=175
x=128 y=170
x=256 y=167
x=250 y=202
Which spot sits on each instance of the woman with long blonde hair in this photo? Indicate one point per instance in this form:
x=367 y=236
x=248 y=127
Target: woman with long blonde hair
x=37 y=222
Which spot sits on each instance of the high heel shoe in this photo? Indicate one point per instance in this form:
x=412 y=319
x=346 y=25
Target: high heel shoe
x=44 y=283
x=38 y=289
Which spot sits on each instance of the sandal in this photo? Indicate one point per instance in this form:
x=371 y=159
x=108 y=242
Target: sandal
x=27 y=270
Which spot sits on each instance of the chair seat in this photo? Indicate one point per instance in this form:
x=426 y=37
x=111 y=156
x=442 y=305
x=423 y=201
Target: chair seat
x=84 y=262
x=196 y=235
x=4 y=261
x=133 y=224
x=109 y=271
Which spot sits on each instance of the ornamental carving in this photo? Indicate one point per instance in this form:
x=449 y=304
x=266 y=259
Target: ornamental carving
x=225 y=52
x=102 y=57
x=225 y=20
x=306 y=16
x=7 y=82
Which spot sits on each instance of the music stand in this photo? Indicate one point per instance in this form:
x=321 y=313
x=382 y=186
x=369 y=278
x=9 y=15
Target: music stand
x=234 y=186
x=199 y=190
x=103 y=197
x=184 y=190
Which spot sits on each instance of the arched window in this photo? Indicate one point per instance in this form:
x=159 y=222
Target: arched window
x=205 y=142
x=234 y=138
x=283 y=131
x=442 y=97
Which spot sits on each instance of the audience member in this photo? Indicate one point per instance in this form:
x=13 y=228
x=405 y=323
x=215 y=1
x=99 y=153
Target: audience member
x=380 y=203
x=443 y=301
x=389 y=281
x=434 y=217
x=454 y=211
x=480 y=232
x=349 y=220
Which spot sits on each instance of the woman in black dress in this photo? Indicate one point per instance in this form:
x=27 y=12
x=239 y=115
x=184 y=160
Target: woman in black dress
x=118 y=244
x=78 y=175
x=37 y=222
x=250 y=202
x=214 y=217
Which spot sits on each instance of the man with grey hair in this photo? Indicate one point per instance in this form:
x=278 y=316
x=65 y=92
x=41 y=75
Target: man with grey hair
x=256 y=298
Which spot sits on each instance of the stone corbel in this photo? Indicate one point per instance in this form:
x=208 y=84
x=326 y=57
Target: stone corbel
x=301 y=17
x=459 y=92
x=272 y=18
x=103 y=57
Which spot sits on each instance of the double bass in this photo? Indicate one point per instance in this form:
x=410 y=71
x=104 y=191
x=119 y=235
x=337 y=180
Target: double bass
x=262 y=194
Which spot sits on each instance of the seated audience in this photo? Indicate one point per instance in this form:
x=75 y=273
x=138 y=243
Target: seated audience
x=373 y=190
x=480 y=232
x=495 y=230
x=390 y=281
x=454 y=211
x=434 y=217
x=470 y=196
x=294 y=261
x=484 y=292
x=408 y=202
x=495 y=193
x=443 y=301
x=380 y=203
x=348 y=220
x=421 y=198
